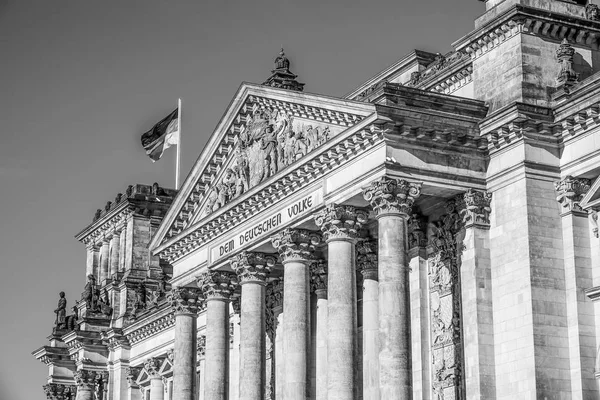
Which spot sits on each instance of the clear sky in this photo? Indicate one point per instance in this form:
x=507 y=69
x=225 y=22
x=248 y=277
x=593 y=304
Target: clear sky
x=81 y=80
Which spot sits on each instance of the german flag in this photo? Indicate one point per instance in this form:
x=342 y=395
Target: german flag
x=162 y=136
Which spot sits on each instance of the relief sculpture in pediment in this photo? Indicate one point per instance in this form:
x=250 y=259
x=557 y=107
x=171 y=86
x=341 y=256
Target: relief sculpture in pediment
x=269 y=142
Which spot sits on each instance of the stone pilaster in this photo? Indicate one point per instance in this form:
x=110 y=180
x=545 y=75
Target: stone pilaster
x=186 y=303
x=252 y=269
x=274 y=327
x=476 y=294
x=392 y=201
x=54 y=391
x=114 y=252
x=157 y=389
x=366 y=263
x=318 y=282
x=217 y=287
x=296 y=248
x=578 y=276
x=340 y=226
x=419 y=307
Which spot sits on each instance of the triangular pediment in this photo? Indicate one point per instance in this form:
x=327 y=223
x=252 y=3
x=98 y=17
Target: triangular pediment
x=591 y=200
x=264 y=131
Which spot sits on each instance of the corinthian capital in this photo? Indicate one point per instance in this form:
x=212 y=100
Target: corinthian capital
x=55 y=391
x=152 y=366
x=252 y=266
x=340 y=222
x=85 y=378
x=366 y=258
x=185 y=300
x=318 y=278
x=570 y=192
x=296 y=244
x=217 y=285
x=132 y=375
x=392 y=196
x=473 y=206
x=417 y=229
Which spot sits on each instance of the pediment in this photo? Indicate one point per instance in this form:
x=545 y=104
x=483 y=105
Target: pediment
x=591 y=200
x=264 y=131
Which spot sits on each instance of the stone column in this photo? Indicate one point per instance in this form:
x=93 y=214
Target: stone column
x=217 y=287
x=104 y=262
x=340 y=225
x=90 y=384
x=578 y=276
x=392 y=201
x=157 y=389
x=252 y=269
x=92 y=260
x=274 y=323
x=295 y=248
x=122 y=247
x=419 y=307
x=185 y=303
x=114 y=253
x=366 y=262
x=318 y=277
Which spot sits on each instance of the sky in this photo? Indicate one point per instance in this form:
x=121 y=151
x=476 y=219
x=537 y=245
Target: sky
x=80 y=81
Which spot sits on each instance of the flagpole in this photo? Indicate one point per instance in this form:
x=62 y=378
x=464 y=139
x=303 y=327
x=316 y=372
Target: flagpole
x=178 y=157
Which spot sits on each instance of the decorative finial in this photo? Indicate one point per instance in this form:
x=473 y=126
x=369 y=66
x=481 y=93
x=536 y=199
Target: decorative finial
x=281 y=76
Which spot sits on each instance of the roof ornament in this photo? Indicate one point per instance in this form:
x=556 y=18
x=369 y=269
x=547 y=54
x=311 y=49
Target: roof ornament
x=281 y=77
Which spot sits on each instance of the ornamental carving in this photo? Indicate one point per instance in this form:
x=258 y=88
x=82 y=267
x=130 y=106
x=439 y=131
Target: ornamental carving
x=318 y=277
x=440 y=63
x=269 y=142
x=295 y=244
x=185 y=300
x=340 y=222
x=592 y=12
x=132 y=375
x=274 y=306
x=366 y=258
x=55 y=391
x=570 y=191
x=252 y=266
x=564 y=54
x=444 y=291
x=417 y=231
x=217 y=284
x=152 y=367
x=474 y=207
x=388 y=195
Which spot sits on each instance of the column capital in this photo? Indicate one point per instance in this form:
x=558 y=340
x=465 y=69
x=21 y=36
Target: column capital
x=318 y=278
x=570 y=191
x=132 y=374
x=392 y=196
x=216 y=285
x=252 y=266
x=185 y=300
x=339 y=222
x=366 y=258
x=56 y=391
x=417 y=231
x=473 y=206
x=152 y=366
x=296 y=244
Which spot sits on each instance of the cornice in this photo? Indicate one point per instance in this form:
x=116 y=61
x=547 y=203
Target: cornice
x=319 y=108
x=153 y=324
x=320 y=162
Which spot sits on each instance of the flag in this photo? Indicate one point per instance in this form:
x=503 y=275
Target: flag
x=162 y=136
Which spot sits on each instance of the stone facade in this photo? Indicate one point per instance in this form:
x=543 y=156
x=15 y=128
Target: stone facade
x=433 y=235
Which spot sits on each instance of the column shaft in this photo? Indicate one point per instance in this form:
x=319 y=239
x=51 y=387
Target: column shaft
x=342 y=320
x=370 y=333
x=184 y=368
x=394 y=323
x=296 y=333
x=85 y=393
x=279 y=357
x=217 y=350
x=114 y=254
x=157 y=389
x=103 y=262
x=321 y=346
x=252 y=341
x=122 y=248
x=89 y=265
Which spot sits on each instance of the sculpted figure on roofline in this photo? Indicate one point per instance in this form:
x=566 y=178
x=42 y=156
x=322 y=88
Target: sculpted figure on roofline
x=267 y=144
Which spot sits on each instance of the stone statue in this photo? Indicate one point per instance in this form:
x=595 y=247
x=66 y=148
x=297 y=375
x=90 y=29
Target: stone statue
x=71 y=321
x=61 y=312
x=90 y=293
x=104 y=304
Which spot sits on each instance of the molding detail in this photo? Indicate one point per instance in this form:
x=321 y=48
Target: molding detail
x=185 y=301
x=392 y=196
x=339 y=222
x=296 y=244
x=366 y=258
x=570 y=192
x=216 y=285
x=252 y=266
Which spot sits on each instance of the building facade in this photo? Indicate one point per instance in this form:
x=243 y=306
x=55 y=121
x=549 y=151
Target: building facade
x=432 y=235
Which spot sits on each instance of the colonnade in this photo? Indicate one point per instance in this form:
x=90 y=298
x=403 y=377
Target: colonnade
x=107 y=256
x=387 y=336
